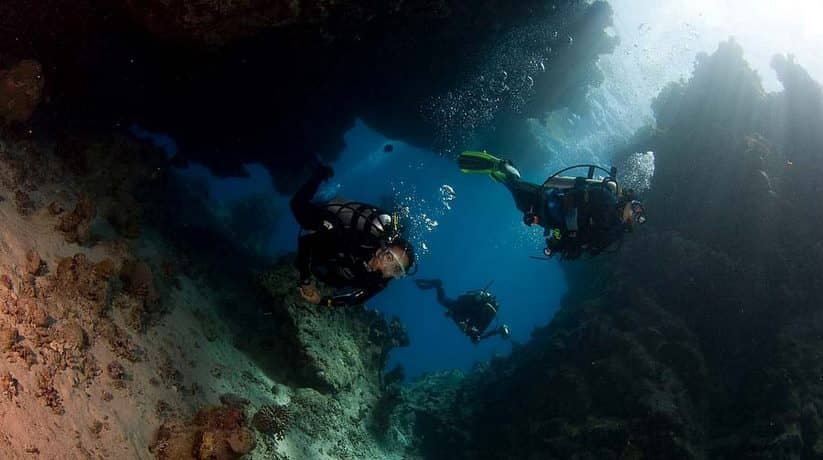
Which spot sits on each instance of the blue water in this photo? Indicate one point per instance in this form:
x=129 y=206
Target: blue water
x=478 y=240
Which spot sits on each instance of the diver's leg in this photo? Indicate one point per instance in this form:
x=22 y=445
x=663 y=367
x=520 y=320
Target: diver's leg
x=527 y=196
x=307 y=214
x=441 y=297
x=485 y=163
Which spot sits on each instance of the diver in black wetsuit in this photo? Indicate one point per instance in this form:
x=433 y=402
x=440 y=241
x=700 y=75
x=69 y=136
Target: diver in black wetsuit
x=473 y=311
x=348 y=245
x=579 y=215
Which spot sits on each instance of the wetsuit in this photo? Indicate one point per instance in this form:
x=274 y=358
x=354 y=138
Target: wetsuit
x=580 y=219
x=340 y=239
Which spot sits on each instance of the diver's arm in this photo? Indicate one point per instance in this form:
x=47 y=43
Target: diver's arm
x=355 y=297
x=307 y=214
x=491 y=333
x=305 y=247
x=441 y=293
x=442 y=299
x=502 y=331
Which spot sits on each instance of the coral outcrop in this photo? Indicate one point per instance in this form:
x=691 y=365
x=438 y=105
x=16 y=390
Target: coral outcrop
x=331 y=350
x=21 y=89
x=272 y=419
x=332 y=361
x=217 y=433
x=76 y=225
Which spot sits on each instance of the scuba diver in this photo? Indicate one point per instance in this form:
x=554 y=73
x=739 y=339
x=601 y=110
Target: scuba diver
x=346 y=245
x=473 y=311
x=579 y=214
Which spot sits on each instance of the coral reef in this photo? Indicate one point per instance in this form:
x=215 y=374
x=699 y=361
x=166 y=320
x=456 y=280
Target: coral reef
x=76 y=225
x=8 y=338
x=9 y=386
x=46 y=391
x=79 y=279
x=272 y=419
x=21 y=89
x=216 y=433
x=143 y=297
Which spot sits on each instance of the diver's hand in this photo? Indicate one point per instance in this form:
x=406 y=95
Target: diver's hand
x=310 y=293
x=428 y=284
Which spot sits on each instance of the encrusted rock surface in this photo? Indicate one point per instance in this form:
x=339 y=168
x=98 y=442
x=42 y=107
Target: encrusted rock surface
x=87 y=357
x=333 y=360
x=216 y=433
x=332 y=350
x=389 y=63
x=21 y=89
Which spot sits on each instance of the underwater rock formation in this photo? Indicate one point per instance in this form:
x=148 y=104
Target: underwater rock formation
x=218 y=22
x=701 y=337
x=320 y=64
x=96 y=347
x=331 y=350
x=217 y=433
x=21 y=89
x=329 y=363
x=115 y=338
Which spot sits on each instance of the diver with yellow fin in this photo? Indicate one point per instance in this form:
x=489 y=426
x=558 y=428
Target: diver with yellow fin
x=579 y=214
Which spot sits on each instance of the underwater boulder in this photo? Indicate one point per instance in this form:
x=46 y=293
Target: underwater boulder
x=21 y=89
x=329 y=349
x=215 y=433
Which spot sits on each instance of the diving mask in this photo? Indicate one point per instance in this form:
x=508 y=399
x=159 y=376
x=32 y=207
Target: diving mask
x=392 y=263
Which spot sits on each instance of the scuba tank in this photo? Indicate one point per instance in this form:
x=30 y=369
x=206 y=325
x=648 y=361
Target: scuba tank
x=566 y=182
x=364 y=218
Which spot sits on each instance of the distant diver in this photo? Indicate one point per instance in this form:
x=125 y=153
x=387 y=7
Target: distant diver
x=580 y=215
x=346 y=245
x=473 y=311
